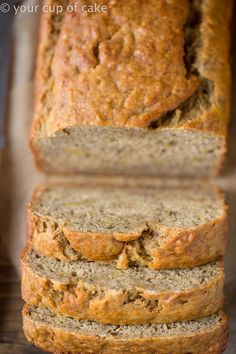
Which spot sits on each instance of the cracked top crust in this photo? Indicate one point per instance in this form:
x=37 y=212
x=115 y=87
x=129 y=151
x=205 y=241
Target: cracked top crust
x=127 y=67
x=124 y=67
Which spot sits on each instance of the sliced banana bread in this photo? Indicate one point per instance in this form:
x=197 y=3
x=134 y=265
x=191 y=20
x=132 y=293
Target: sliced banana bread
x=60 y=334
x=124 y=91
x=155 y=227
x=101 y=292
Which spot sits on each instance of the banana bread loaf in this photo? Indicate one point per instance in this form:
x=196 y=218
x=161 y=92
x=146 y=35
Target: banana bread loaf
x=100 y=292
x=140 y=89
x=59 y=334
x=158 y=227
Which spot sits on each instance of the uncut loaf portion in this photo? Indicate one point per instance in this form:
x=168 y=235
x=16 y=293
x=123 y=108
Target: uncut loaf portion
x=100 y=292
x=155 y=227
x=59 y=334
x=144 y=91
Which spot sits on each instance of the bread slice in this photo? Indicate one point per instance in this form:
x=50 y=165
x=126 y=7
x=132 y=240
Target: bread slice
x=133 y=92
x=100 y=292
x=59 y=334
x=156 y=227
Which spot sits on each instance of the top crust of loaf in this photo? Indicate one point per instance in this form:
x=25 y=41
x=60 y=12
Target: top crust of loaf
x=153 y=63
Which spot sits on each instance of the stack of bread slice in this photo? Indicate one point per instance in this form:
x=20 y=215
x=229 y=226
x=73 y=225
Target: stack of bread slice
x=141 y=89
x=124 y=269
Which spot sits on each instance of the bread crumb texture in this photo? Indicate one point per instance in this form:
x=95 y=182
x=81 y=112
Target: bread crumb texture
x=61 y=334
x=158 y=228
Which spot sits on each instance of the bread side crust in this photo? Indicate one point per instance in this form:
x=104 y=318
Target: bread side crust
x=179 y=249
x=83 y=300
x=213 y=62
x=43 y=82
x=58 y=340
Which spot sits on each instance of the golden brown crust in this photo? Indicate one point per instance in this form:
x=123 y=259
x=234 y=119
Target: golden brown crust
x=119 y=306
x=179 y=248
x=123 y=56
x=117 y=49
x=58 y=340
x=49 y=30
x=213 y=63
